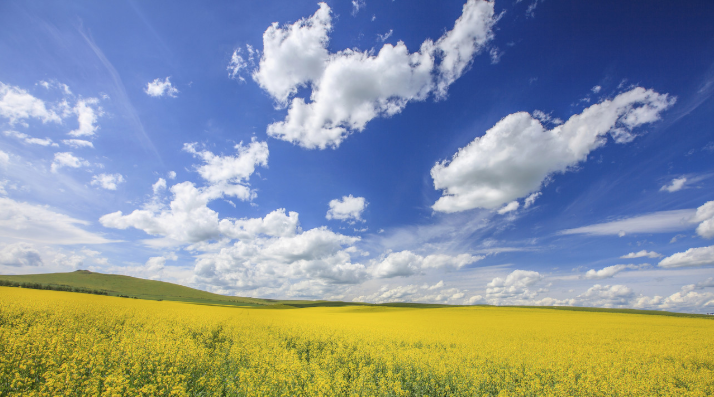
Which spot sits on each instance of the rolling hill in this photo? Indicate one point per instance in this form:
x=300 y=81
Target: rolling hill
x=133 y=287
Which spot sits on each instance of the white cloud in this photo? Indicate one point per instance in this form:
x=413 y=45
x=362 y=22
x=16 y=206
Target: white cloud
x=159 y=88
x=394 y=294
x=546 y=118
x=294 y=55
x=4 y=158
x=404 y=263
x=530 y=11
x=235 y=66
x=72 y=261
x=384 y=37
x=436 y=293
x=77 y=143
x=350 y=88
x=55 y=84
x=156 y=263
x=596 y=89
x=355 y=88
x=275 y=253
x=237 y=63
x=548 y=301
x=611 y=271
x=495 y=55
x=407 y=263
x=311 y=244
x=531 y=199
x=94 y=256
x=705 y=217
x=186 y=220
x=656 y=222
x=512 y=206
x=231 y=169
x=471 y=32
x=606 y=296
x=23 y=221
x=171 y=175
x=107 y=181
x=438 y=285
x=17 y=104
x=275 y=224
x=702 y=256
x=79 y=259
x=706 y=283
x=30 y=140
x=159 y=186
x=5 y=183
x=641 y=254
x=687 y=299
x=86 y=117
x=676 y=185
x=153 y=269
x=357 y=5
x=442 y=261
x=518 y=284
x=19 y=255
x=475 y=300
x=518 y=154
x=347 y=208
x=67 y=159
x=677 y=237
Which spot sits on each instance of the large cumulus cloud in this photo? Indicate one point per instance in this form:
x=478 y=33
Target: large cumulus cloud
x=350 y=87
x=515 y=156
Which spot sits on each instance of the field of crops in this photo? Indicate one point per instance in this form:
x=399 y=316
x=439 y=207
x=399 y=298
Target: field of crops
x=61 y=343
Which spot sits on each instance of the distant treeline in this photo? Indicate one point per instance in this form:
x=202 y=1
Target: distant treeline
x=65 y=288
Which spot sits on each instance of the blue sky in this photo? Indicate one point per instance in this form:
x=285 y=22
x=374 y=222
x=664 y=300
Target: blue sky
x=464 y=152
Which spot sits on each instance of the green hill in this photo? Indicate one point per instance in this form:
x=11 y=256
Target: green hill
x=132 y=287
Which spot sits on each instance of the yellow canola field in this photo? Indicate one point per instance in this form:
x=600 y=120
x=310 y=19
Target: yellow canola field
x=68 y=344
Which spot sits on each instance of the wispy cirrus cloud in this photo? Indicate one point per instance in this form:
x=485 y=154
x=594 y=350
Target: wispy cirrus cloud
x=656 y=222
x=611 y=271
x=642 y=254
x=36 y=223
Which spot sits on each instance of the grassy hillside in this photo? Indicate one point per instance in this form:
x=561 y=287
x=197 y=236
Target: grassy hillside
x=133 y=287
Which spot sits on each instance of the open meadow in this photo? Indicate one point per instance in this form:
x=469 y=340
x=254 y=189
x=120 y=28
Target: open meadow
x=61 y=343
